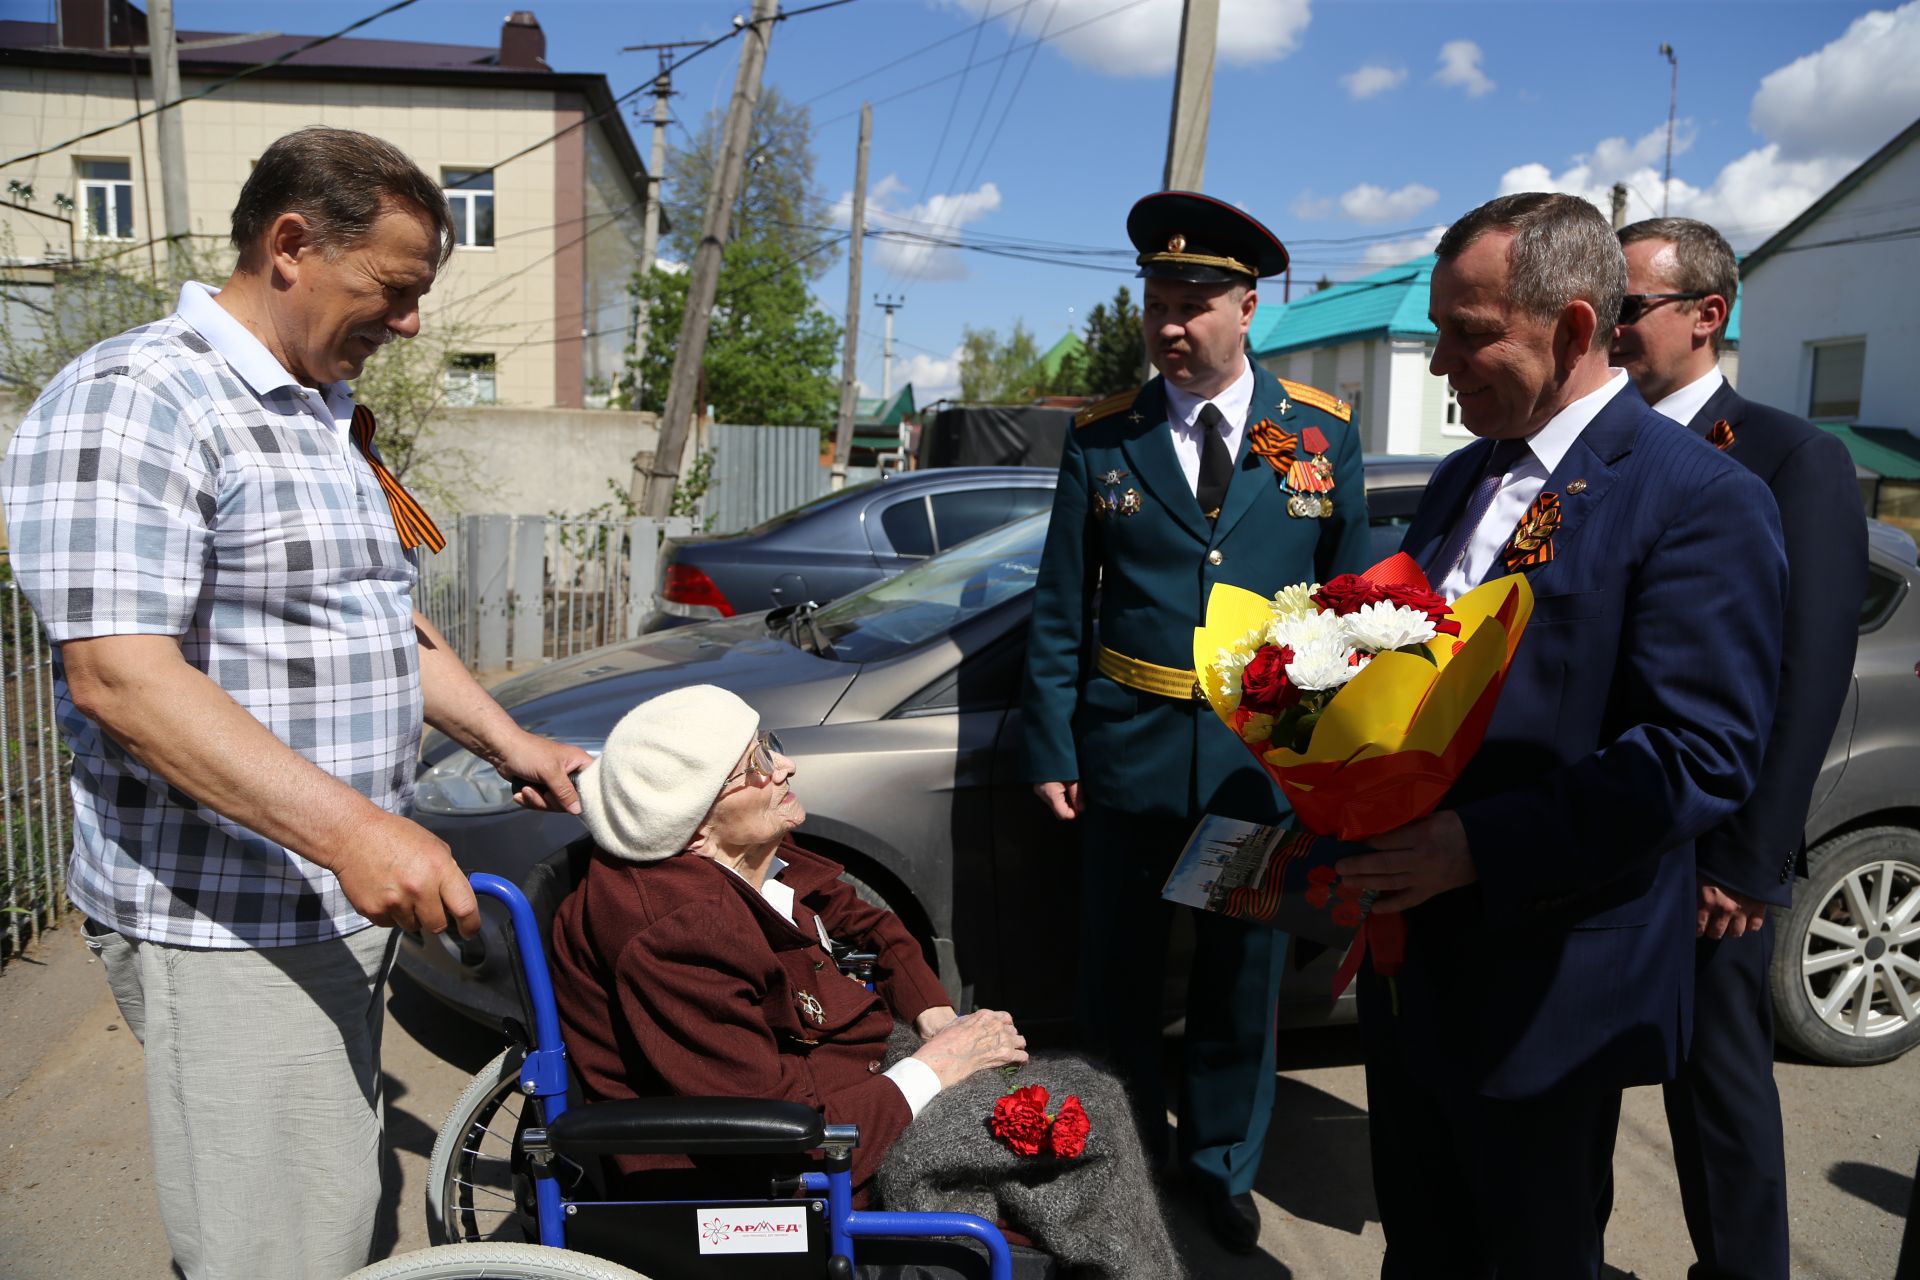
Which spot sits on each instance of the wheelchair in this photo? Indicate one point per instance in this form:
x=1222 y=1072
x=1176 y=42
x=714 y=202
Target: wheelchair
x=514 y=1187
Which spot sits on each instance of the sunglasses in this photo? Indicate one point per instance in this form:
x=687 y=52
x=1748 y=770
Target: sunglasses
x=1635 y=305
x=760 y=766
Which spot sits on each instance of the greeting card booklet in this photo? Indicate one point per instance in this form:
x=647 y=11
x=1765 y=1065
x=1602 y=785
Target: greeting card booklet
x=1277 y=875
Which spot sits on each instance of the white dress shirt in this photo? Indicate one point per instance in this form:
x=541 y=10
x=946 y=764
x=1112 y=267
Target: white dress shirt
x=917 y=1081
x=1523 y=483
x=1183 y=416
x=1684 y=404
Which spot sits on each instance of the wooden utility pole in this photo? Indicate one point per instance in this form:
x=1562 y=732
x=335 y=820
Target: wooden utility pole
x=1192 y=96
x=1619 y=194
x=650 y=216
x=1673 y=103
x=843 y=434
x=170 y=131
x=654 y=478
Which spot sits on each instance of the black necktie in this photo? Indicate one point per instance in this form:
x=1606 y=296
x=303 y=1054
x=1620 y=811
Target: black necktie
x=1216 y=464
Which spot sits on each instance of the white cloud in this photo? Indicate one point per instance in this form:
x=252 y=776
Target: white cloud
x=1372 y=80
x=1395 y=251
x=1308 y=206
x=906 y=244
x=1143 y=40
x=1849 y=97
x=932 y=377
x=1369 y=203
x=1460 y=68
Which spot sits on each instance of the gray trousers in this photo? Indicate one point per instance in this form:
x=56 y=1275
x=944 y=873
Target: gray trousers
x=263 y=1093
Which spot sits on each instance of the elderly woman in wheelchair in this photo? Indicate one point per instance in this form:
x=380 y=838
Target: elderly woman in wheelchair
x=763 y=1053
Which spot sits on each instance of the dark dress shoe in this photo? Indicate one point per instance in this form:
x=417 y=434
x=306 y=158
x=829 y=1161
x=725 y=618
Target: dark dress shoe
x=1234 y=1221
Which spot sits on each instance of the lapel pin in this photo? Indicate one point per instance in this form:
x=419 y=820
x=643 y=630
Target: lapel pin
x=1578 y=486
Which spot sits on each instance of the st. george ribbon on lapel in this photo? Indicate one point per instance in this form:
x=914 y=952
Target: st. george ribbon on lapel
x=1532 y=541
x=1721 y=436
x=410 y=519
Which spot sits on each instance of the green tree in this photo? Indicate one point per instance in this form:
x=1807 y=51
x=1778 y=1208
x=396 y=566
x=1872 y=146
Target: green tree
x=771 y=351
x=997 y=371
x=778 y=204
x=1116 y=349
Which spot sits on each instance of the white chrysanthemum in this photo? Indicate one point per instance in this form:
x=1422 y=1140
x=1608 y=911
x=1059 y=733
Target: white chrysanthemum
x=1305 y=629
x=1378 y=628
x=1322 y=664
x=1293 y=601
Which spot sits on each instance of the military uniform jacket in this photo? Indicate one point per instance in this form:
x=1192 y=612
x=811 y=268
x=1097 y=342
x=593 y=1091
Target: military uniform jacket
x=1129 y=543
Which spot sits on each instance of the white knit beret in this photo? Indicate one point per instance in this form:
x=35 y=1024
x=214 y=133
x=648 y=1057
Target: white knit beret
x=661 y=770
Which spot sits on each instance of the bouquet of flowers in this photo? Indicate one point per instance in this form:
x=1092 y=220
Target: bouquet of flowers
x=1363 y=698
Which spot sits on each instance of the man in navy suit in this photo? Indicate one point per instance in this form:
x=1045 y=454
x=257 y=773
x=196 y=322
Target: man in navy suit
x=1723 y=1111
x=1549 y=903
x=1164 y=491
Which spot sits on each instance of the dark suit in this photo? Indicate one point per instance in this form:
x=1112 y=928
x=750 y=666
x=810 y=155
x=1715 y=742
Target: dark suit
x=1724 y=1111
x=1150 y=765
x=1632 y=720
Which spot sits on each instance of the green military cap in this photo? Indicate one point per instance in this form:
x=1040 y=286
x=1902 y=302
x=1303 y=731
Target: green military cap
x=1183 y=235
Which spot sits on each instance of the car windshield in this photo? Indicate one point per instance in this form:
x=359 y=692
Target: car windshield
x=931 y=599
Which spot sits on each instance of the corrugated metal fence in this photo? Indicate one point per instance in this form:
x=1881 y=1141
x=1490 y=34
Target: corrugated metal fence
x=759 y=472
x=37 y=809
x=511 y=592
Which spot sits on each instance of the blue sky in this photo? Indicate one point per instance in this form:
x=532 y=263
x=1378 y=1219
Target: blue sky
x=1370 y=122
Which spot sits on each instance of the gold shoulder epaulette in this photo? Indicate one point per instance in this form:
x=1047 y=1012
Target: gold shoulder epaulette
x=1319 y=399
x=1104 y=409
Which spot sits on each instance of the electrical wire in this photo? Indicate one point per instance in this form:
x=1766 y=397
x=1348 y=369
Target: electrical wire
x=217 y=85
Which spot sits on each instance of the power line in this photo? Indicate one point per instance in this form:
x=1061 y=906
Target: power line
x=217 y=85
x=905 y=57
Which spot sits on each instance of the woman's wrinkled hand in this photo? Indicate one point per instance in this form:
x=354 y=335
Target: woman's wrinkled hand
x=982 y=1039
x=928 y=1024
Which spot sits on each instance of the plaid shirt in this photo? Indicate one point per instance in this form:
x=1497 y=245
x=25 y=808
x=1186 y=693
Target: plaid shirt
x=177 y=481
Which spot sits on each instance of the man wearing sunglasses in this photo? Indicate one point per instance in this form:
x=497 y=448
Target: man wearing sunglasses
x=1723 y=1109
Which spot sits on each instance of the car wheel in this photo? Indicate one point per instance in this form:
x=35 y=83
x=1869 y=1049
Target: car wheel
x=1846 y=967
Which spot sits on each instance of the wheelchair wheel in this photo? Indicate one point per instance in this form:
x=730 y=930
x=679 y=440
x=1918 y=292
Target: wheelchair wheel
x=474 y=1190
x=495 y=1262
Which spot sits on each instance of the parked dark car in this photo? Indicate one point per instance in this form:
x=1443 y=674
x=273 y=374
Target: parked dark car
x=900 y=703
x=838 y=543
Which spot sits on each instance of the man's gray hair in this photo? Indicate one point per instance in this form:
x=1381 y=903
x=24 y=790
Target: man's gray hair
x=340 y=181
x=1562 y=250
x=1704 y=261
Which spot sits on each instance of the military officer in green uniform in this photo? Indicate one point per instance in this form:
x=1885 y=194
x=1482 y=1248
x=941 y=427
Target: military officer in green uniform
x=1215 y=471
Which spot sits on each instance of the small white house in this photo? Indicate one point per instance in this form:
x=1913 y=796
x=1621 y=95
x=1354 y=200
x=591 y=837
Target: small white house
x=1831 y=329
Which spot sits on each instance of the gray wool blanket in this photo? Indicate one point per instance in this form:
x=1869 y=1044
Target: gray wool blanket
x=1097 y=1214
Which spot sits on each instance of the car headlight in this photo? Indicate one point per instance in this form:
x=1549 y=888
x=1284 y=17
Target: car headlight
x=466 y=786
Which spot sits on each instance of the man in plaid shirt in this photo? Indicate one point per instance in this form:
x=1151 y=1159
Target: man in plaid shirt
x=241 y=675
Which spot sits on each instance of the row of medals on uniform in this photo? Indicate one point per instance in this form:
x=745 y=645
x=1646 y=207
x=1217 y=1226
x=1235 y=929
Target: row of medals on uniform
x=1308 y=484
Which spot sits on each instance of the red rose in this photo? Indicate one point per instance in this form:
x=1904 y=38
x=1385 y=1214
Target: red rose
x=1348 y=592
x=1264 y=686
x=1431 y=603
x=1068 y=1137
x=1020 y=1119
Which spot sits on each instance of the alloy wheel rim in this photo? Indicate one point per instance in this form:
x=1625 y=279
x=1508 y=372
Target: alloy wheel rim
x=1860 y=960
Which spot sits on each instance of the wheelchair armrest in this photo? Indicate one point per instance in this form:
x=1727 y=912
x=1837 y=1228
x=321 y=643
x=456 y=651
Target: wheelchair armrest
x=688 y=1126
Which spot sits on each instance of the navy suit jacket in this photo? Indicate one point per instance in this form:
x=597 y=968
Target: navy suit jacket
x=1151 y=565
x=1757 y=850
x=1633 y=720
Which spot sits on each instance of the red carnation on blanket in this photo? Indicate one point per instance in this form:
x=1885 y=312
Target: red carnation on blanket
x=1020 y=1119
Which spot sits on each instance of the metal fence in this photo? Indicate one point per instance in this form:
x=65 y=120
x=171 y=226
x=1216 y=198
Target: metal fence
x=37 y=809
x=511 y=592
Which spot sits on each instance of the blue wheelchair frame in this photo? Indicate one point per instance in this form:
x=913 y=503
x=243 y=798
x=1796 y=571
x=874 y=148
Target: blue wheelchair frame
x=543 y=1077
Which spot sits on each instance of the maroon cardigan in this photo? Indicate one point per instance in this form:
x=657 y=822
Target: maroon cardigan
x=677 y=978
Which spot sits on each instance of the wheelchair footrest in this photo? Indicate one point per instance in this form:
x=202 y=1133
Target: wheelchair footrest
x=687 y=1126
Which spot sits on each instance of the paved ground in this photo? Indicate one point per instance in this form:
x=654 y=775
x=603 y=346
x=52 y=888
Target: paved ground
x=76 y=1197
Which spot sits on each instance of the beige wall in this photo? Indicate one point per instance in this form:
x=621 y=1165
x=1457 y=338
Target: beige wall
x=502 y=298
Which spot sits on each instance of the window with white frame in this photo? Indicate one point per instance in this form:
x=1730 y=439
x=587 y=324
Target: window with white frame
x=1838 y=370
x=106 y=199
x=470 y=195
x=470 y=378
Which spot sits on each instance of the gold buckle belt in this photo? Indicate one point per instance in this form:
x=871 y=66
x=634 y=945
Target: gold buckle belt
x=1168 y=682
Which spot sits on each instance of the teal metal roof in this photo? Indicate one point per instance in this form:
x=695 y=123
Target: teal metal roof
x=1887 y=451
x=1391 y=302
x=872 y=411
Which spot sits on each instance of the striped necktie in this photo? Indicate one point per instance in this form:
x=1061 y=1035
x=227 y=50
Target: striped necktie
x=1506 y=454
x=410 y=519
